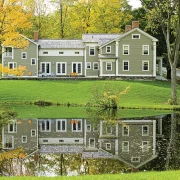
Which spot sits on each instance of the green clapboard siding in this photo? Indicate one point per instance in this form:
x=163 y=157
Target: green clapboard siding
x=31 y=51
x=135 y=56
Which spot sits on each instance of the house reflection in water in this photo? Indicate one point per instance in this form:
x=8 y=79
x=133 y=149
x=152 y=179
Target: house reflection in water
x=130 y=141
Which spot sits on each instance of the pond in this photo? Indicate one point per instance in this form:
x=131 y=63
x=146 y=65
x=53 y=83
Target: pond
x=51 y=141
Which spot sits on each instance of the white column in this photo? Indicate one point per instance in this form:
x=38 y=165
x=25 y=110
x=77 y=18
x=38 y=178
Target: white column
x=100 y=67
x=154 y=137
x=85 y=133
x=85 y=62
x=154 y=58
x=117 y=54
x=37 y=62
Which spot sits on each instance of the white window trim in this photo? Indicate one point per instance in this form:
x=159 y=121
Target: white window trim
x=94 y=143
x=31 y=61
x=87 y=128
x=92 y=47
x=45 y=126
x=12 y=137
x=106 y=66
x=135 y=35
x=76 y=126
x=97 y=66
x=123 y=65
x=61 y=68
x=60 y=120
x=143 y=65
x=108 y=144
x=123 y=131
x=45 y=68
x=14 y=64
x=143 y=50
x=77 y=68
x=107 y=49
x=147 y=130
x=123 y=149
x=145 y=148
x=87 y=65
x=22 y=55
x=22 y=139
x=135 y=157
x=32 y=134
x=124 y=49
x=14 y=123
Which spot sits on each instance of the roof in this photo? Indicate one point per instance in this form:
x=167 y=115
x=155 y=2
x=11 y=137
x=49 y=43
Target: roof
x=127 y=33
x=60 y=43
x=99 y=37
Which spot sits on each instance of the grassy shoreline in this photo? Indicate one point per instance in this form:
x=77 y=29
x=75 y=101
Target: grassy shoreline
x=142 y=94
x=165 y=175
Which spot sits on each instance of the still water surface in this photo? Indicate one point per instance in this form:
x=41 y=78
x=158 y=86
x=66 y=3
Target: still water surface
x=76 y=145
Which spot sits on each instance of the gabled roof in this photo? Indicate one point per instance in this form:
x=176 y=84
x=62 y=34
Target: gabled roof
x=129 y=32
x=29 y=39
x=55 y=44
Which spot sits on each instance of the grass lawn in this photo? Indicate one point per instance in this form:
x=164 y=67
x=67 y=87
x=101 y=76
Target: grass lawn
x=142 y=94
x=166 y=175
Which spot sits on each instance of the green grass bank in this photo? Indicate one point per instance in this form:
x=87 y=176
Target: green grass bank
x=142 y=94
x=166 y=175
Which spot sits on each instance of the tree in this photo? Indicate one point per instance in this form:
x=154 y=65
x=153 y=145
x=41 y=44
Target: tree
x=166 y=14
x=19 y=71
x=13 y=21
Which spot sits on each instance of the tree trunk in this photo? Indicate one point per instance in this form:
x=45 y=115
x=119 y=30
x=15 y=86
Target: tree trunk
x=171 y=150
x=173 y=84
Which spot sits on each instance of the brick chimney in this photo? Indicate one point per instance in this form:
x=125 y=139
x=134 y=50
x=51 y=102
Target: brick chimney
x=35 y=35
x=127 y=28
x=135 y=24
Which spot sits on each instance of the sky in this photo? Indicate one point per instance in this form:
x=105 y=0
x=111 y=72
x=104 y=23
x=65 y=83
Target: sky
x=135 y=3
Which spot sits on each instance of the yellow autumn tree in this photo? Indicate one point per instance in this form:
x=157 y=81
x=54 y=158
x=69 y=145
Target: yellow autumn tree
x=13 y=21
x=19 y=71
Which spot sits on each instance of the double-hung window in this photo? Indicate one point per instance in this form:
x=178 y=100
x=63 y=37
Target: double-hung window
x=145 y=50
x=92 y=51
x=109 y=66
x=88 y=65
x=12 y=127
x=108 y=49
x=145 y=65
x=33 y=61
x=125 y=146
x=125 y=130
x=95 y=66
x=145 y=146
x=24 y=55
x=61 y=68
x=125 y=49
x=108 y=146
x=145 y=130
x=125 y=65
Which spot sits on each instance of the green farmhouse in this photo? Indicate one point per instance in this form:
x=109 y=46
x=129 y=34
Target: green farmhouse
x=132 y=54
